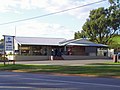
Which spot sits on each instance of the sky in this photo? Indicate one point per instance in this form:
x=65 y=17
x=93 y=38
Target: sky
x=60 y=25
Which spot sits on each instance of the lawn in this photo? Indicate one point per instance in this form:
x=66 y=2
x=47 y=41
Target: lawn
x=106 y=69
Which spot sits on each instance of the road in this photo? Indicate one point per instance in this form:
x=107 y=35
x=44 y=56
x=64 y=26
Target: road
x=29 y=81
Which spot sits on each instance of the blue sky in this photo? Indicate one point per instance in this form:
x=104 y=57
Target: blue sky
x=62 y=25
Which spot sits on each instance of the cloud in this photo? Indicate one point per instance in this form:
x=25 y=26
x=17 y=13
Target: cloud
x=35 y=28
x=38 y=29
x=7 y=5
x=49 y=6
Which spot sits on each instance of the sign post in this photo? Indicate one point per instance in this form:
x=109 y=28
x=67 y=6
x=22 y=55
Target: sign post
x=8 y=44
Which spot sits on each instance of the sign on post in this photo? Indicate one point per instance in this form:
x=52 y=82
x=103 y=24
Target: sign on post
x=9 y=43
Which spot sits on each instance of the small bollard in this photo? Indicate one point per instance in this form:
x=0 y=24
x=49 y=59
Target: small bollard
x=51 y=58
x=115 y=58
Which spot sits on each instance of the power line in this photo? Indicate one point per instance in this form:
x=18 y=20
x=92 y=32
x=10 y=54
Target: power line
x=52 y=13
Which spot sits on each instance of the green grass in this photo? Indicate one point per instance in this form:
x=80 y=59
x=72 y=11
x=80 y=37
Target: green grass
x=97 y=70
x=117 y=39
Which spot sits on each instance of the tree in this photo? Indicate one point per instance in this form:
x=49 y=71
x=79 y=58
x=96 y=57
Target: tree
x=102 y=24
x=113 y=1
x=1 y=40
x=115 y=43
x=117 y=4
x=79 y=34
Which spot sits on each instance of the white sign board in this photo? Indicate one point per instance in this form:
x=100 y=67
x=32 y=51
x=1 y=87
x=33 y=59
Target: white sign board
x=9 y=43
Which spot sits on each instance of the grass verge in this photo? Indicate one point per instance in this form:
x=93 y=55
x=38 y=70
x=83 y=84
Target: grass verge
x=108 y=63
x=103 y=70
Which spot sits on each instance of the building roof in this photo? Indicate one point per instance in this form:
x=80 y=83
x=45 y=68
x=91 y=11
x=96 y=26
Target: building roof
x=81 y=42
x=56 y=41
x=38 y=41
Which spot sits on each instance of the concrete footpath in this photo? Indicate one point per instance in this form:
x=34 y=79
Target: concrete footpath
x=65 y=62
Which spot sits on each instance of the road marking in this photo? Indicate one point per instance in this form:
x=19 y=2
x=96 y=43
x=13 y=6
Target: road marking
x=11 y=87
x=63 y=81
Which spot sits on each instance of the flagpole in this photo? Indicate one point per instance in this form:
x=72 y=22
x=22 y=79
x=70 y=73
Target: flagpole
x=15 y=31
x=13 y=51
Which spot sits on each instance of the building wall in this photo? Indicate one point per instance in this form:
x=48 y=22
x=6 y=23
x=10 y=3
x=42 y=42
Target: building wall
x=77 y=50
x=82 y=50
x=91 y=51
x=47 y=50
x=76 y=57
x=78 y=53
x=38 y=50
x=32 y=58
x=65 y=57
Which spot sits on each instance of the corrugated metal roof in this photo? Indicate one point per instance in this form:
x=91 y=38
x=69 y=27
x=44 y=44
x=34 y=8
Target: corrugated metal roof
x=55 y=41
x=82 y=42
x=39 y=40
x=96 y=45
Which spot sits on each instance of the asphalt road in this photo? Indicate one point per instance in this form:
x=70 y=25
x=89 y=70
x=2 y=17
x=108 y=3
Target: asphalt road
x=28 y=81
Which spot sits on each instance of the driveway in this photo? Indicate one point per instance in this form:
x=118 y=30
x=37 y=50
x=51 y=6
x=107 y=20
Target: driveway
x=65 y=62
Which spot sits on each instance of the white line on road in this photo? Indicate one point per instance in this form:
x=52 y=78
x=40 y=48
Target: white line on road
x=15 y=87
